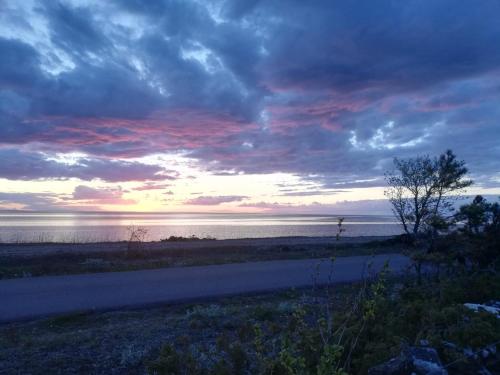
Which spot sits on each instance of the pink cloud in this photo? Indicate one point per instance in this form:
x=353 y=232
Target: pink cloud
x=118 y=137
x=100 y=196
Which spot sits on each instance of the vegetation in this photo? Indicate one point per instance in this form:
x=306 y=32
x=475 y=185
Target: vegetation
x=276 y=333
x=184 y=239
x=322 y=330
x=419 y=190
x=481 y=232
x=461 y=267
x=376 y=322
x=130 y=341
x=136 y=237
x=135 y=256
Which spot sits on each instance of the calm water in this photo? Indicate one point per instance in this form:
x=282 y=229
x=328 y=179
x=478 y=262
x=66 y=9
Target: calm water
x=91 y=227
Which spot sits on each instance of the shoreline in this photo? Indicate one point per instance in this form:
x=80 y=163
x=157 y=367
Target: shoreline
x=52 y=248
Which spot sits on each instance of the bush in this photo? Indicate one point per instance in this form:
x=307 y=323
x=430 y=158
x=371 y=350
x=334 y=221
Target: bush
x=184 y=239
x=171 y=362
x=382 y=317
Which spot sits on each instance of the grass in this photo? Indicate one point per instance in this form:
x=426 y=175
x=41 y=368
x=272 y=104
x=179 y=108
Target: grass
x=130 y=341
x=223 y=336
x=138 y=258
x=279 y=331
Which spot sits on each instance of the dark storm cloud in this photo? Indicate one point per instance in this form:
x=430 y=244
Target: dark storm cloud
x=19 y=65
x=88 y=90
x=73 y=29
x=329 y=91
x=358 y=44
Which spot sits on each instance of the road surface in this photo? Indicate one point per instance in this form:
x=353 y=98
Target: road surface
x=29 y=298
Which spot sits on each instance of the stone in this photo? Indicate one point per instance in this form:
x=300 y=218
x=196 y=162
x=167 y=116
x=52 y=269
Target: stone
x=395 y=366
x=424 y=343
x=488 y=308
x=412 y=360
x=425 y=361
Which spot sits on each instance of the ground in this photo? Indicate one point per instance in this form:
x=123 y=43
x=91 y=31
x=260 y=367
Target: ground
x=278 y=330
x=25 y=260
x=123 y=342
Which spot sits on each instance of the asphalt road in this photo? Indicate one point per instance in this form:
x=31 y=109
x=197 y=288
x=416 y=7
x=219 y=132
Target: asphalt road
x=28 y=298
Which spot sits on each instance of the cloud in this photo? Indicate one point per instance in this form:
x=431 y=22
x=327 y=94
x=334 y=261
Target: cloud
x=353 y=45
x=19 y=165
x=28 y=201
x=309 y=193
x=83 y=198
x=151 y=186
x=266 y=205
x=215 y=200
x=331 y=89
x=360 y=207
x=98 y=196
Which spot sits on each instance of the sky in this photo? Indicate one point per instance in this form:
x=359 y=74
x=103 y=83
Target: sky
x=240 y=106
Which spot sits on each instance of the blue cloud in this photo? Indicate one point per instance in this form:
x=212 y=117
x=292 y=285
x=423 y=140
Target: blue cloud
x=330 y=89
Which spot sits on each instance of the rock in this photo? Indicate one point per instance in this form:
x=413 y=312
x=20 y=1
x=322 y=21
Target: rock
x=491 y=308
x=482 y=362
x=425 y=361
x=412 y=360
x=424 y=342
x=484 y=371
x=450 y=345
x=494 y=303
x=395 y=366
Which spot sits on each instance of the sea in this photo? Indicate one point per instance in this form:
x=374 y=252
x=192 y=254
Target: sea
x=77 y=227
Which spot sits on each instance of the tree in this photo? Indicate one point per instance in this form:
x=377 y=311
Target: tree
x=481 y=226
x=420 y=190
x=474 y=215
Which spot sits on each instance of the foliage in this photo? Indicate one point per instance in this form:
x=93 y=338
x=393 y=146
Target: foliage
x=419 y=190
x=481 y=232
x=136 y=237
x=383 y=315
x=186 y=239
x=173 y=362
x=312 y=340
x=340 y=229
x=473 y=244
